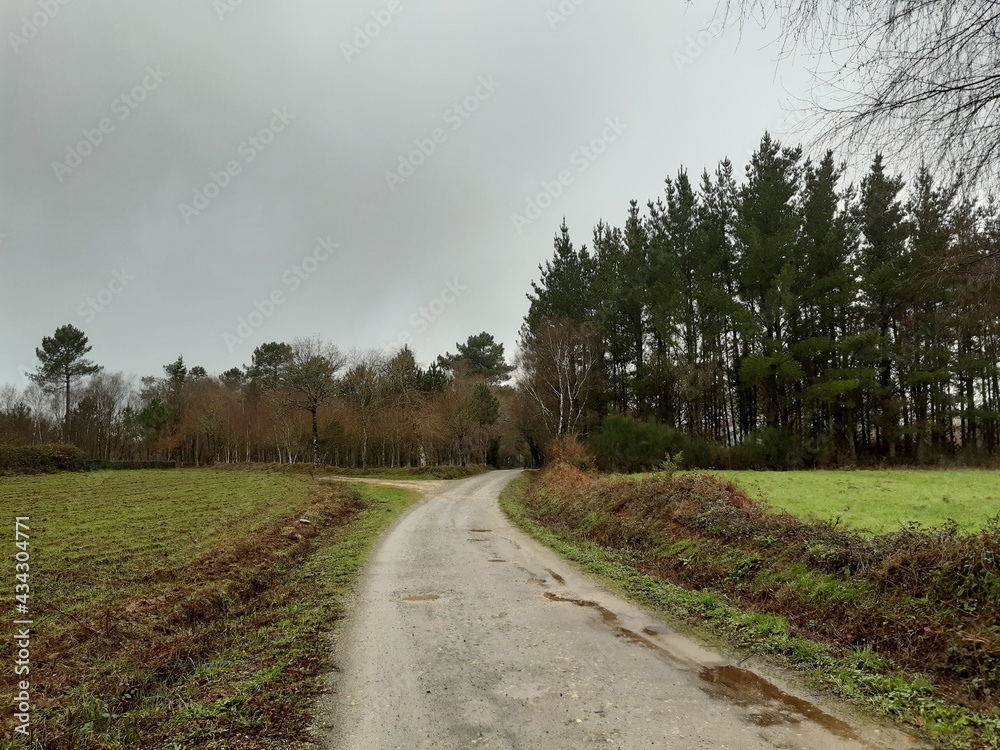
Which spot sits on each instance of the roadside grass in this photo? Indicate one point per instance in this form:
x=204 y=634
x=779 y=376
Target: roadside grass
x=721 y=599
x=878 y=501
x=186 y=608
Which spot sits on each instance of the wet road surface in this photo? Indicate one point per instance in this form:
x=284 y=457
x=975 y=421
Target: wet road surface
x=464 y=633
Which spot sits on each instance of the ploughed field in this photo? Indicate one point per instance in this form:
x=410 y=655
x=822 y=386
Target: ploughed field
x=184 y=606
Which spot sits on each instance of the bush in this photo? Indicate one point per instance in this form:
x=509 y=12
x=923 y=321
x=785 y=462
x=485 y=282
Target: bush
x=628 y=445
x=568 y=449
x=37 y=459
x=766 y=448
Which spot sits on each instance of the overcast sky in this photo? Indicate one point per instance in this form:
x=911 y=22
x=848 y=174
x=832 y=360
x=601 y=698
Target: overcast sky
x=199 y=177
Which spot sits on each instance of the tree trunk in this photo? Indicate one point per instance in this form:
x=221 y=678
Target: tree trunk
x=66 y=421
x=315 y=436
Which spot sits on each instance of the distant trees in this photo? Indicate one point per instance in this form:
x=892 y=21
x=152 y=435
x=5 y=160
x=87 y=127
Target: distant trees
x=829 y=321
x=307 y=379
x=62 y=363
x=366 y=390
x=303 y=400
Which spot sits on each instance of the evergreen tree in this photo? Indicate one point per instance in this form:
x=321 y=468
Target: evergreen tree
x=480 y=355
x=62 y=363
x=564 y=289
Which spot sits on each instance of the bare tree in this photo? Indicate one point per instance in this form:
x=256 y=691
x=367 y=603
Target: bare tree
x=406 y=396
x=558 y=366
x=909 y=78
x=308 y=379
x=364 y=386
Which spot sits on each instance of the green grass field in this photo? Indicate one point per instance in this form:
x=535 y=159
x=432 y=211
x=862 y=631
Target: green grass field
x=185 y=608
x=878 y=501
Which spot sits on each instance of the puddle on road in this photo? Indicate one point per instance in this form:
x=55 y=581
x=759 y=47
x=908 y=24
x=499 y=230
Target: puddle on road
x=767 y=704
x=496 y=560
x=556 y=577
x=481 y=531
x=422 y=598
x=609 y=617
x=513 y=543
x=749 y=690
x=535 y=581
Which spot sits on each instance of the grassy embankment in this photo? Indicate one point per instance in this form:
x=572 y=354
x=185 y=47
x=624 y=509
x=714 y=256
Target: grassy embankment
x=904 y=624
x=185 y=608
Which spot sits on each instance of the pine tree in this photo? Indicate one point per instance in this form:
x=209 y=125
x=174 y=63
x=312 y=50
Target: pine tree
x=62 y=363
x=564 y=289
x=882 y=261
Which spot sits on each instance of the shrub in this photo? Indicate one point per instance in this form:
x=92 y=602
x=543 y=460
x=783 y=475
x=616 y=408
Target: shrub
x=35 y=459
x=766 y=448
x=629 y=445
x=568 y=449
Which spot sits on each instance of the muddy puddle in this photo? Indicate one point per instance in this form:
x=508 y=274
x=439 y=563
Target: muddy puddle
x=422 y=598
x=766 y=704
x=556 y=577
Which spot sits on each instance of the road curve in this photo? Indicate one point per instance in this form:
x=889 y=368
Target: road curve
x=464 y=633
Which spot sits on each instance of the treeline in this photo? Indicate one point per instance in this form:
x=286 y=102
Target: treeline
x=303 y=401
x=823 y=322
x=786 y=320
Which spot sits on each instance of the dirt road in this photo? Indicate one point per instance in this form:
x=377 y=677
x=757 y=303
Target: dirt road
x=464 y=633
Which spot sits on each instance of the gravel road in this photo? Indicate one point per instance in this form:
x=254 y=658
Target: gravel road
x=464 y=633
